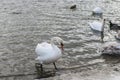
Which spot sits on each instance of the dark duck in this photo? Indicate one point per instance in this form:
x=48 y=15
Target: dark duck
x=73 y=7
x=114 y=26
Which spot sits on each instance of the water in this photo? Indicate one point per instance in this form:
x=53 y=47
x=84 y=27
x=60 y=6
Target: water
x=25 y=23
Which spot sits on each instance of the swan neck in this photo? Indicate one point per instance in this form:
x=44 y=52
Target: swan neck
x=52 y=43
x=103 y=25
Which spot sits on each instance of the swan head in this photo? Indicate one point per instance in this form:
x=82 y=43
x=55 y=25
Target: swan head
x=58 y=41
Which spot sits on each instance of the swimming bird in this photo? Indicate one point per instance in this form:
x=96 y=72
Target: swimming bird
x=114 y=26
x=49 y=52
x=97 y=12
x=73 y=7
x=98 y=26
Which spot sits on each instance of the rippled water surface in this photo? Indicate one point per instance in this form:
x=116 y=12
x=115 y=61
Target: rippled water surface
x=24 y=23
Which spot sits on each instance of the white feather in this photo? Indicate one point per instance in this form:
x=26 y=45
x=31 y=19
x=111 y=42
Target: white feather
x=96 y=25
x=98 y=10
x=47 y=52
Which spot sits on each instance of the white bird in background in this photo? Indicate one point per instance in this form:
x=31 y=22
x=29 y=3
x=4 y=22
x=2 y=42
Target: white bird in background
x=98 y=26
x=97 y=12
x=49 y=52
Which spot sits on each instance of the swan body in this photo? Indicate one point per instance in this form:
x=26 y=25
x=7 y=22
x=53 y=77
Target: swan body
x=97 y=26
x=47 y=53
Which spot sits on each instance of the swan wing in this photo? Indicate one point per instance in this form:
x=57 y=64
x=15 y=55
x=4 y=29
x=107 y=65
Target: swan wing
x=96 y=26
x=47 y=53
x=43 y=49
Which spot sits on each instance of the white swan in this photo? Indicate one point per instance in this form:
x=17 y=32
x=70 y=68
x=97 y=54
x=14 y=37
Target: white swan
x=98 y=26
x=97 y=11
x=49 y=52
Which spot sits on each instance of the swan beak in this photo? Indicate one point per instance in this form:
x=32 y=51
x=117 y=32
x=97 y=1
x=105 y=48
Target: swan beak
x=62 y=47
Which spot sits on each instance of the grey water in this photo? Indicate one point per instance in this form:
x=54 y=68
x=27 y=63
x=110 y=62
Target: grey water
x=25 y=23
